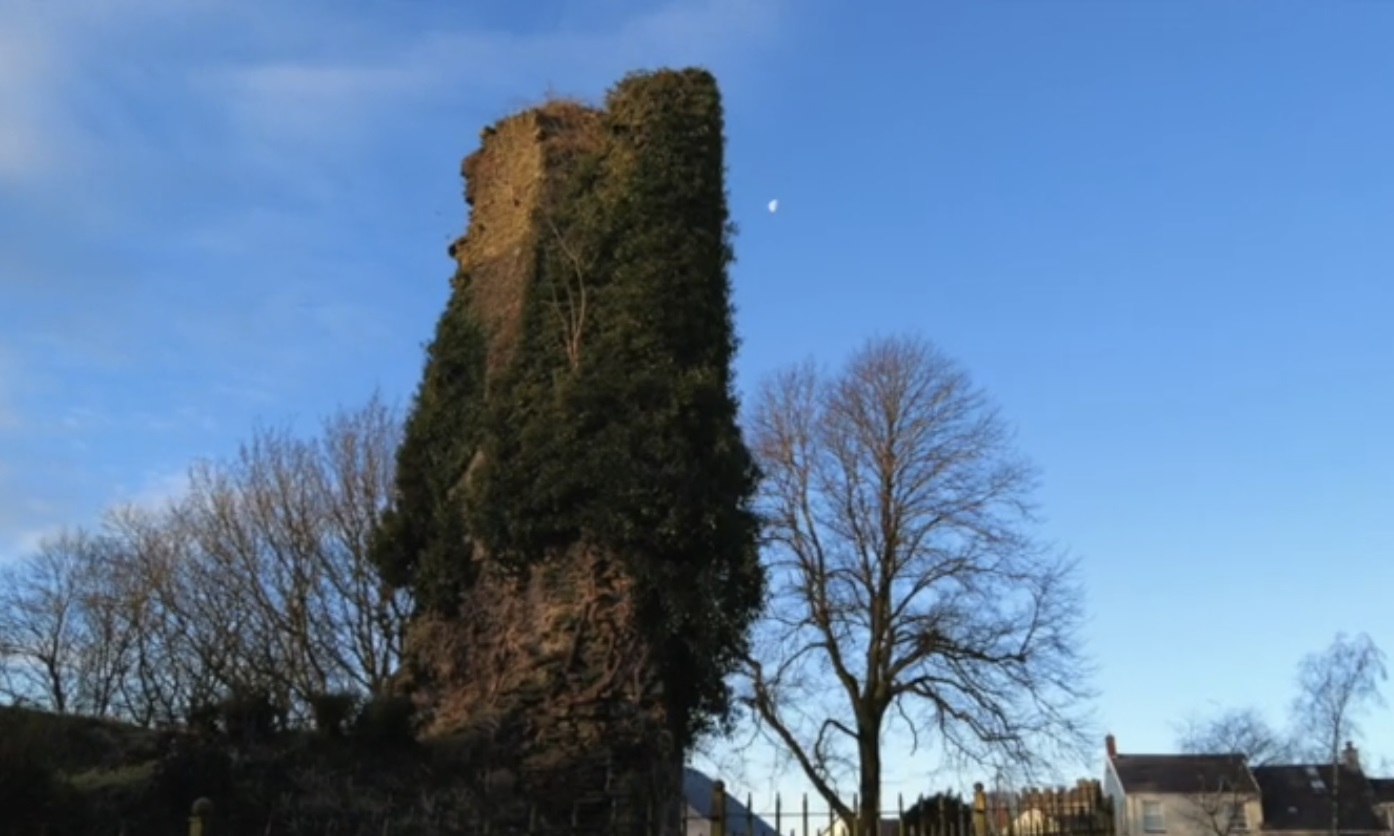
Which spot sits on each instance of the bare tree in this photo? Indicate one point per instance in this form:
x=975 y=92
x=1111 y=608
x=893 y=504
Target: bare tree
x=257 y=579
x=1335 y=688
x=905 y=584
x=41 y=615
x=1217 y=810
x=1224 y=790
x=1241 y=730
x=280 y=536
x=174 y=657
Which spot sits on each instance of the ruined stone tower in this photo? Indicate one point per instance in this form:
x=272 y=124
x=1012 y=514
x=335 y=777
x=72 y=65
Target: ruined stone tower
x=594 y=528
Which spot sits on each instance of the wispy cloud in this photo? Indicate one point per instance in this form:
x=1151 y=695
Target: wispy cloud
x=218 y=210
x=19 y=539
x=9 y=392
x=268 y=79
x=336 y=102
x=24 y=154
x=157 y=490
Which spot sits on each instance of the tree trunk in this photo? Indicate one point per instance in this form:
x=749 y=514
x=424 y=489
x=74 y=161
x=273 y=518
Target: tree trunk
x=869 y=806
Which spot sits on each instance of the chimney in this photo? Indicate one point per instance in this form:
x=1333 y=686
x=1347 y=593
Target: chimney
x=1111 y=745
x=1351 y=757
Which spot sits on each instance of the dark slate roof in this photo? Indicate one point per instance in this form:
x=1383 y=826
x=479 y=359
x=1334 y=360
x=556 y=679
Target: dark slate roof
x=698 y=790
x=1292 y=802
x=1183 y=774
x=1383 y=789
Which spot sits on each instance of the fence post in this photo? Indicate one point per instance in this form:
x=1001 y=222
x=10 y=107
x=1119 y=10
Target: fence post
x=718 y=811
x=201 y=818
x=980 y=822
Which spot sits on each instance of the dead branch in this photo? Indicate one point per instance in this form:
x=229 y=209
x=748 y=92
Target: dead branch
x=573 y=318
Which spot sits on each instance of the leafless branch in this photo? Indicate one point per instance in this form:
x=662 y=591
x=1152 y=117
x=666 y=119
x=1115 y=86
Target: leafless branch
x=1220 y=804
x=1243 y=731
x=257 y=578
x=1336 y=687
x=572 y=314
x=906 y=582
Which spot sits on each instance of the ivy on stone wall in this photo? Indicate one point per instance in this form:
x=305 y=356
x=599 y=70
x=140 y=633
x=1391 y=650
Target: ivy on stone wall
x=615 y=425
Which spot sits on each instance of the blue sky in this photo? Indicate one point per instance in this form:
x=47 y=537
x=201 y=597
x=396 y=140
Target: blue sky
x=1156 y=232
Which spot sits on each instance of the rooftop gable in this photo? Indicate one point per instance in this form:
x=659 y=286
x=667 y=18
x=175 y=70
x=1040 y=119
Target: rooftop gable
x=1184 y=774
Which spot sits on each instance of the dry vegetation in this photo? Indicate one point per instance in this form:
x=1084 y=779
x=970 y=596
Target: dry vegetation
x=255 y=581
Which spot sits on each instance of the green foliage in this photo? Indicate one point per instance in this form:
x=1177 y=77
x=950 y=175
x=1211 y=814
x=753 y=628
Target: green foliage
x=625 y=439
x=332 y=711
x=422 y=543
x=685 y=514
x=637 y=449
x=386 y=722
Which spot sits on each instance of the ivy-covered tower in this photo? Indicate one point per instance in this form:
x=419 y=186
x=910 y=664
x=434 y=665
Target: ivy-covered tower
x=573 y=511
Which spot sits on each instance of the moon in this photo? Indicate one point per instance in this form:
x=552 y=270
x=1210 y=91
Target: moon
x=774 y=206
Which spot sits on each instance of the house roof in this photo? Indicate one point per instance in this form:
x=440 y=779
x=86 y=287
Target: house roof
x=1299 y=798
x=699 y=789
x=1383 y=789
x=1183 y=774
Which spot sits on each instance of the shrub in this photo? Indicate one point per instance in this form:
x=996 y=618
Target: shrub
x=190 y=772
x=332 y=712
x=28 y=782
x=202 y=719
x=251 y=717
x=387 y=721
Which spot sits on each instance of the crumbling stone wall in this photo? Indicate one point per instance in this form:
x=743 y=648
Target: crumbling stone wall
x=509 y=184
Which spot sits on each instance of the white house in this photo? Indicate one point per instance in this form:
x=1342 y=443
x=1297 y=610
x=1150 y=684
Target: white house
x=1181 y=795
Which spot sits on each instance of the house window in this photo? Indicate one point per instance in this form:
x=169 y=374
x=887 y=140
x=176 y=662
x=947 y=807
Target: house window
x=1152 y=817
x=1238 y=817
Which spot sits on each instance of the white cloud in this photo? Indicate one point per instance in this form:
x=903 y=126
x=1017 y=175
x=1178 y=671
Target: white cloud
x=284 y=107
x=29 y=541
x=101 y=100
x=44 y=50
x=111 y=114
x=9 y=393
x=297 y=102
x=25 y=152
x=9 y=412
x=158 y=490
x=24 y=520
x=60 y=59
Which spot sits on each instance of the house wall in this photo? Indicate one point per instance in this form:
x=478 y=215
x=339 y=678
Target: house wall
x=1180 y=815
x=1386 y=812
x=840 y=828
x=1113 y=791
x=695 y=823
